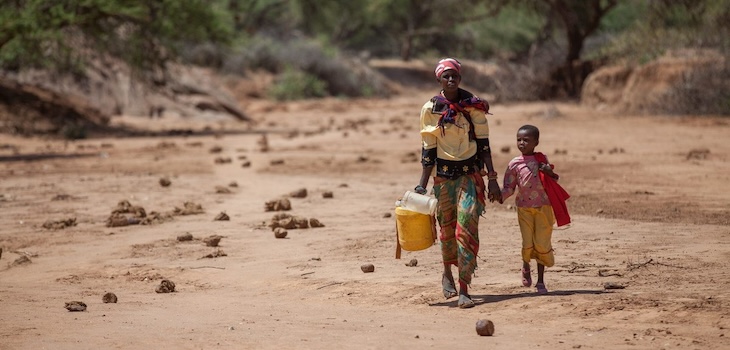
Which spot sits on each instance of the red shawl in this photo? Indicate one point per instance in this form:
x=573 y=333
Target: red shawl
x=555 y=193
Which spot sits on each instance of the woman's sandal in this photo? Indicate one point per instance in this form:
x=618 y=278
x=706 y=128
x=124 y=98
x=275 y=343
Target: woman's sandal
x=465 y=302
x=541 y=289
x=526 y=277
x=449 y=287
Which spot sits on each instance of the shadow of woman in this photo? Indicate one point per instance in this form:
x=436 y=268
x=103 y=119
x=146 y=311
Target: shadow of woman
x=495 y=298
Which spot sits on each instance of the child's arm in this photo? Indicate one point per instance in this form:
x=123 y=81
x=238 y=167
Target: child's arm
x=509 y=183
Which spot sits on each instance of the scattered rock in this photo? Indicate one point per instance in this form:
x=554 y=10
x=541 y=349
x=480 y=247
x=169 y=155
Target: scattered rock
x=61 y=197
x=166 y=286
x=599 y=211
x=187 y=236
x=282 y=204
x=613 y=285
x=362 y=159
x=367 y=268
x=288 y=222
x=212 y=241
x=505 y=149
x=233 y=184
x=22 y=260
x=327 y=194
x=216 y=254
x=222 y=160
x=412 y=263
x=117 y=220
x=124 y=207
x=165 y=182
x=189 y=208
x=280 y=232
x=156 y=218
x=276 y=162
x=109 y=298
x=698 y=153
x=223 y=190
x=300 y=193
x=59 y=224
x=387 y=215
x=246 y=164
x=75 y=306
x=485 y=327
x=216 y=149
x=222 y=217
x=314 y=223
x=616 y=150
x=561 y=151
x=343 y=185
x=263 y=143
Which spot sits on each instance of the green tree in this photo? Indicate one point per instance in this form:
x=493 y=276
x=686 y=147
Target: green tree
x=144 y=33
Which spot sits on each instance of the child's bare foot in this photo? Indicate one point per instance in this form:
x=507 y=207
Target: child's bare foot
x=526 y=277
x=541 y=289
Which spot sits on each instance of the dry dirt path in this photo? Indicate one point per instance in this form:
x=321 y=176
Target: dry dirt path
x=648 y=218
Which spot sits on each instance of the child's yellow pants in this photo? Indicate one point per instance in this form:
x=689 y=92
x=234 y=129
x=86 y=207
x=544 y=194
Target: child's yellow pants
x=536 y=225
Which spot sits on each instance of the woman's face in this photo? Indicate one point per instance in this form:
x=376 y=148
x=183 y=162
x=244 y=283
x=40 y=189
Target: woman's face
x=450 y=80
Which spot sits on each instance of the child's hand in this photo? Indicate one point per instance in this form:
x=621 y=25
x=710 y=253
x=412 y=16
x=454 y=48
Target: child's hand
x=548 y=169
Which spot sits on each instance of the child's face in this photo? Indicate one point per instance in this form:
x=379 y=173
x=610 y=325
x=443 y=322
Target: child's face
x=526 y=142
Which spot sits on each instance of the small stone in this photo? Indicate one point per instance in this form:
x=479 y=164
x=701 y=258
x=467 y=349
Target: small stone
x=387 y=215
x=22 y=260
x=212 y=241
x=300 y=193
x=166 y=286
x=314 y=223
x=75 y=306
x=367 y=268
x=599 y=211
x=109 y=298
x=187 y=236
x=412 y=263
x=327 y=194
x=485 y=327
x=222 y=217
x=222 y=190
x=165 y=182
x=246 y=164
x=612 y=285
x=233 y=184
x=280 y=232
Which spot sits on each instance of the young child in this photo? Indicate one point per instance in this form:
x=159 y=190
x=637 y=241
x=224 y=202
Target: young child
x=539 y=201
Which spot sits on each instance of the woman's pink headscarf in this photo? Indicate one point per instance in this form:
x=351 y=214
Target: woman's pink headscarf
x=446 y=64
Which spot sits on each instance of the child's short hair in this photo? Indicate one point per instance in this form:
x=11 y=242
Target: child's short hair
x=531 y=129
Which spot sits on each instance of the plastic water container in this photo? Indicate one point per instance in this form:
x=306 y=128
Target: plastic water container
x=415 y=231
x=418 y=203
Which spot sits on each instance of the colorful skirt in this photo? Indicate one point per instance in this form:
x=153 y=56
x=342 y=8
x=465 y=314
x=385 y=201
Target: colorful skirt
x=461 y=202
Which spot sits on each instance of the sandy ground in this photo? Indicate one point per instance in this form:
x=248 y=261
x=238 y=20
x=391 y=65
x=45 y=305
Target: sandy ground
x=651 y=208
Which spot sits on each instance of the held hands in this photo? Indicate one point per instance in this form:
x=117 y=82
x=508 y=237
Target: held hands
x=494 y=192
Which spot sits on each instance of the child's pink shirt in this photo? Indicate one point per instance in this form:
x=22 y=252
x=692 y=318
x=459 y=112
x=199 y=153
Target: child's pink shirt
x=522 y=173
